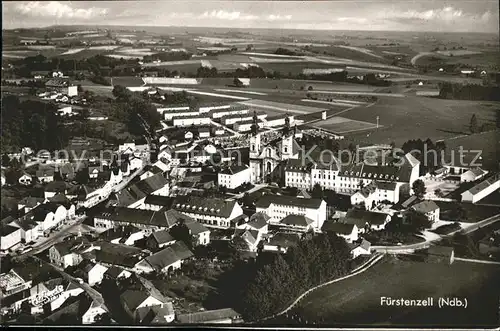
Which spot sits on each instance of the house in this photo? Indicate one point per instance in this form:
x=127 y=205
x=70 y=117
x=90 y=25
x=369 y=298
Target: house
x=149 y=170
x=212 y=212
x=252 y=238
x=258 y=222
x=48 y=216
x=109 y=254
x=362 y=248
x=299 y=223
x=364 y=219
x=54 y=188
x=234 y=176
x=347 y=231
x=116 y=273
x=65 y=110
x=278 y=207
x=63 y=294
x=441 y=254
x=93 y=171
x=219 y=316
x=134 y=299
x=281 y=242
x=134 y=195
x=45 y=174
x=472 y=175
x=94 y=310
x=160 y=239
x=109 y=218
x=156 y=315
x=11 y=236
x=482 y=189
x=25 y=179
x=93 y=272
x=199 y=233
x=68 y=253
x=157 y=202
x=166 y=260
x=429 y=208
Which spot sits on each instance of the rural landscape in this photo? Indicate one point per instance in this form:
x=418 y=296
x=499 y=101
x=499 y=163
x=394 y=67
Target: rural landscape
x=319 y=165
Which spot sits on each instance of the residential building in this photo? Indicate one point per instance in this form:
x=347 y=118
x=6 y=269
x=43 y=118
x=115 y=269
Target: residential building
x=12 y=282
x=281 y=242
x=362 y=248
x=53 y=188
x=28 y=203
x=68 y=253
x=183 y=121
x=45 y=174
x=347 y=231
x=252 y=238
x=212 y=212
x=11 y=236
x=134 y=195
x=156 y=315
x=234 y=176
x=113 y=217
x=366 y=220
x=93 y=272
x=298 y=223
x=94 y=310
x=429 y=208
x=199 y=233
x=166 y=260
x=278 y=207
x=116 y=273
x=160 y=239
x=258 y=222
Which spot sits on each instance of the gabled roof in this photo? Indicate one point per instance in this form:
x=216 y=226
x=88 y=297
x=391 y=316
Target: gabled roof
x=266 y=200
x=113 y=272
x=361 y=217
x=169 y=255
x=196 y=228
x=31 y=202
x=283 y=239
x=339 y=228
x=133 y=298
x=205 y=206
x=484 y=184
x=250 y=236
x=258 y=220
x=162 y=237
x=56 y=186
x=425 y=206
x=297 y=220
x=161 y=218
x=233 y=169
x=208 y=316
x=155 y=314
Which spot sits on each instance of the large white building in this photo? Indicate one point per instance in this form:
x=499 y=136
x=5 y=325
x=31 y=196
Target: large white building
x=191 y=120
x=234 y=176
x=277 y=207
x=212 y=212
x=482 y=189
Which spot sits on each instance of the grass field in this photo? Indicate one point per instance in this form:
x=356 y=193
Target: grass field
x=414 y=117
x=281 y=107
x=344 y=125
x=356 y=301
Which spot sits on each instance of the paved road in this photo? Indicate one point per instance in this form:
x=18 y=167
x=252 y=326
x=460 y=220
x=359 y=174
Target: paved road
x=405 y=249
x=53 y=239
x=95 y=295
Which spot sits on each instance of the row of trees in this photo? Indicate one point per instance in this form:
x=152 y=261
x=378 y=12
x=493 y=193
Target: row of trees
x=469 y=92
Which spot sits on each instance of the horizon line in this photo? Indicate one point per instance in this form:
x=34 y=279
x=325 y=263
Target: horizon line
x=241 y=28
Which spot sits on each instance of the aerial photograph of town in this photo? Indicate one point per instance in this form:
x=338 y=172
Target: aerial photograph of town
x=264 y=164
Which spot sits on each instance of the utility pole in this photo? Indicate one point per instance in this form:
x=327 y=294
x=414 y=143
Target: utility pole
x=377 y=121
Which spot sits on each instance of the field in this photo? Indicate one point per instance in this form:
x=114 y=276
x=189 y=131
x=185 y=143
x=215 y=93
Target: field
x=412 y=118
x=356 y=301
x=344 y=125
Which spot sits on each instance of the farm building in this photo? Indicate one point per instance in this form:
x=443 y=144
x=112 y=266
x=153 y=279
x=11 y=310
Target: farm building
x=441 y=254
x=472 y=175
x=482 y=189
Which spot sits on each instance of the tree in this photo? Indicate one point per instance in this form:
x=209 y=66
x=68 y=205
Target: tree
x=473 y=126
x=317 y=191
x=419 y=188
x=5 y=160
x=417 y=220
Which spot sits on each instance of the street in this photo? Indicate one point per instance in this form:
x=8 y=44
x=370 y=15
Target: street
x=405 y=249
